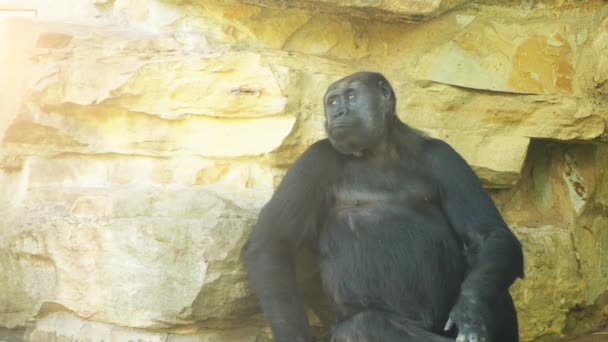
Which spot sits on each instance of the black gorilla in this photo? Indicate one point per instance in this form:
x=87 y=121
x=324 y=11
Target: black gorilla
x=410 y=246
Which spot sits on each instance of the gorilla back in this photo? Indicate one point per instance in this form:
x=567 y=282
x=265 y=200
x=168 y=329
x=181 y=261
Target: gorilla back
x=411 y=248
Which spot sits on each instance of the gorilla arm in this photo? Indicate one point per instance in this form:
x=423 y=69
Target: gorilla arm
x=288 y=220
x=493 y=252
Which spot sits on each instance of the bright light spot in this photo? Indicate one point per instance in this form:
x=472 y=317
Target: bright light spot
x=17 y=14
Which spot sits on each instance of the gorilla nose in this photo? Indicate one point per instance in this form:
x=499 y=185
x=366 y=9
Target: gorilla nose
x=339 y=113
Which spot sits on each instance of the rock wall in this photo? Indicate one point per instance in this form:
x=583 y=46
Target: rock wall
x=139 y=139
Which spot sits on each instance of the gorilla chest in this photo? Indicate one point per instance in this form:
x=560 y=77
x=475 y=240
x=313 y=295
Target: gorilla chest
x=371 y=241
x=368 y=191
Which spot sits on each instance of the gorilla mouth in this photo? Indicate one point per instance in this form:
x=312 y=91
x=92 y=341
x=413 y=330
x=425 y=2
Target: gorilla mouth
x=341 y=124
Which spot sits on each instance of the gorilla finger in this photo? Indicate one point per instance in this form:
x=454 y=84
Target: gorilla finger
x=473 y=338
x=461 y=338
x=448 y=325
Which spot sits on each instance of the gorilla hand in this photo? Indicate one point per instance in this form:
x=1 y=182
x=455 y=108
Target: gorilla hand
x=468 y=316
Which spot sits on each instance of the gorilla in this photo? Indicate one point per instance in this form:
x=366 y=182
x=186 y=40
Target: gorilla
x=410 y=247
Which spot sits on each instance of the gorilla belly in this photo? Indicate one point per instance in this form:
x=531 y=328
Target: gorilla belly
x=381 y=256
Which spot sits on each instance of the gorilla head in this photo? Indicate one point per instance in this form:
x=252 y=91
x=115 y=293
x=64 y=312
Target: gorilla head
x=359 y=110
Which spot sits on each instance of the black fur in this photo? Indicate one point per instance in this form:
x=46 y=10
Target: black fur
x=405 y=234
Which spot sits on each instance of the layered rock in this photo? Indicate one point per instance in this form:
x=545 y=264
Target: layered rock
x=140 y=138
x=408 y=10
x=559 y=214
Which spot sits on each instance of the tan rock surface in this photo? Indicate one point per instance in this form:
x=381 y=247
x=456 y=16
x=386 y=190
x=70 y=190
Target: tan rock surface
x=560 y=199
x=414 y=10
x=132 y=257
x=63 y=326
x=553 y=283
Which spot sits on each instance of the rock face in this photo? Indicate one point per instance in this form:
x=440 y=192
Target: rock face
x=388 y=10
x=140 y=138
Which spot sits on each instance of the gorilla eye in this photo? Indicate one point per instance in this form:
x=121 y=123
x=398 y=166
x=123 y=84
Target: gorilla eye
x=333 y=102
x=351 y=96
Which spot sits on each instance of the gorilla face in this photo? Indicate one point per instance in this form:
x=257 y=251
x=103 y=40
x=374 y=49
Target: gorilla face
x=358 y=112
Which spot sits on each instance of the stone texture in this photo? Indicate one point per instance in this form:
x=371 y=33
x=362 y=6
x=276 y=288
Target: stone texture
x=63 y=326
x=139 y=138
x=17 y=38
x=141 y=258
x=479 y=125
x=101 y=129
x=598 y=336
x=553 y=283
x=410 y=10
x=123 y=111
x=593 y=70
x=515 y=58
x=26 y=280
x=560 y=203
x=234 y=85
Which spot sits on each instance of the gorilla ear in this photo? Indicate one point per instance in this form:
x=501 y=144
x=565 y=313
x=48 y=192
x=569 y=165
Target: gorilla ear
x=385 y=89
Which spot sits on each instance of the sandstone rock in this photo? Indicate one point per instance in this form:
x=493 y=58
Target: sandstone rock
x=17 y=38
x=27 y=279
x=116 y=171
x=497 y=160
x=139 y=258
x=553 y=283
x=513 y=55
x=590 y=238
x=478 y=125
x=559 y=201
x=414 y=10
x=233 y=85
x=508 y=58
x=63 y=326
x=121 y=95
x=102 y=129
x=592 y=73
x=212 y=109
x=346 y=40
